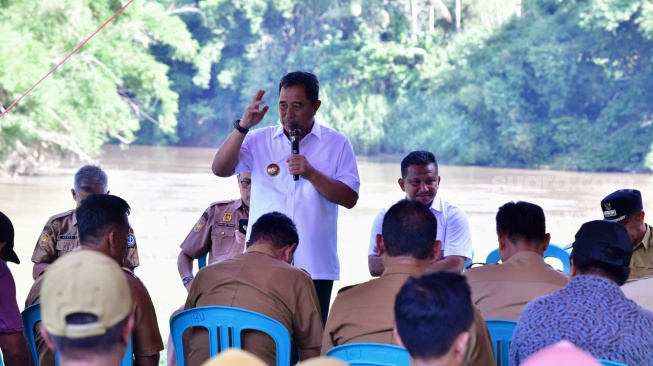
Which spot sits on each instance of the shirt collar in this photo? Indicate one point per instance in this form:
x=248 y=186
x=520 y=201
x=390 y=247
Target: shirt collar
x=316 y=130
x=74 y=218
x=647 y=238
x=260 y=249
x=606 y=286
x=437 y=204
x=402 y=269
x=525 y=254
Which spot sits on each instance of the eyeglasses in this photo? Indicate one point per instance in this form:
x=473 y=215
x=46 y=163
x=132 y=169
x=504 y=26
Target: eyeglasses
x=246 y=183
x=418 y=183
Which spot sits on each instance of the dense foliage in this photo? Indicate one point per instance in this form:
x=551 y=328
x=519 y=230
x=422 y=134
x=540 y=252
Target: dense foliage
x=530 y=83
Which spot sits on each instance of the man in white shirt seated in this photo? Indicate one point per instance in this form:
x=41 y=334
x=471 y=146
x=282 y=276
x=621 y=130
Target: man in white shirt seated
x=420 y=180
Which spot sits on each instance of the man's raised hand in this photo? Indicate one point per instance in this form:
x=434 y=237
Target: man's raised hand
x=254 y=114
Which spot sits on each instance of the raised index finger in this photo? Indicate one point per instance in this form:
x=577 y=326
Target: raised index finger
x=258 y=96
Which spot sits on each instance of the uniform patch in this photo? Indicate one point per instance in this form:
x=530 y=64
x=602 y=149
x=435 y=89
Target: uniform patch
x=201 y=222
x=227 y=216
x=131 y=240
x=67 y=237
x=45 y=236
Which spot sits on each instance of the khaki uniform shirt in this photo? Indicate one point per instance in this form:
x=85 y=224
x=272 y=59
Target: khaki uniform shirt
x=146 y=338
x=365 y=313
x=217 y=230
x=502 y=290
x=59 y=236
x=256 y=281
x=641 y=264
x=640 y=291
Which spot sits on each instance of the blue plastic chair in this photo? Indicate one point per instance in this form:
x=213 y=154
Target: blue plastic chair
x=501 y=335
x=32 y=315
x=371 y=354
x=225 y=325
x=201 y=261
x=610 y=363
x=552 y=251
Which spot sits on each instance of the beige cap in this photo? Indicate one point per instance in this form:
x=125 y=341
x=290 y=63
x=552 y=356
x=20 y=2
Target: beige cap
x=323 y=361
x=87 y=282
x=234 y=356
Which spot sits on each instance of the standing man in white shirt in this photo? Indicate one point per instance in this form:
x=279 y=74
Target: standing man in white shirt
x=326 y=166
x=420 y=180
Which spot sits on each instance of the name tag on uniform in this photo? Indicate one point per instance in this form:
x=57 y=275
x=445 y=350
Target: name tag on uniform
x=67 y=237
x=225 y=224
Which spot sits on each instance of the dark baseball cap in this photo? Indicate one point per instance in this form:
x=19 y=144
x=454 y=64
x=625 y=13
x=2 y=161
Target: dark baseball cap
x=604 y=241
x=7 y=236
x=619 y=205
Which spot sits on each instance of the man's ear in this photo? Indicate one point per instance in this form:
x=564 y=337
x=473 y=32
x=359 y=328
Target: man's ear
x=437 y=248
x=72 y=192
x=395 y=333
x=316 y=106
x=547 y=240
x=380 y=246
x=288 y=252
x=46 y=337
x=129 y=326
x=460 y=345
x=401 y=184
x=502 y=241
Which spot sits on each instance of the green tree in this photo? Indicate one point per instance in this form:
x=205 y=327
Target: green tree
x=105 y=91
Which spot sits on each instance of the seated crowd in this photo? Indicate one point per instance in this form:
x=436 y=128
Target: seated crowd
x=94 y=307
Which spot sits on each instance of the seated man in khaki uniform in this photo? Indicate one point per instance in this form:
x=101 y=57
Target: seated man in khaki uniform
x=60 y=236
x=434 y=314
x=502 y=290
x=365 y=312
x=216 y=232
x=104 y=227
x=261 y=280
x=625 y=207
x=640 y=291
x=87 y=310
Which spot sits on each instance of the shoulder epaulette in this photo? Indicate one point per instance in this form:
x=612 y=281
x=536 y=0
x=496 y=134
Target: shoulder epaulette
x=347 y=288
x=60 y=215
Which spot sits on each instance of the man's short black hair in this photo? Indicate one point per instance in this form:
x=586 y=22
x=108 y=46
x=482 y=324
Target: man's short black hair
x=431 y=312
x=81 y=348
x=304 y=78
x=588 y=266
x=522 y=221
x=409 y=229
x=98 y=213
x=420 y=157
x=276 y=229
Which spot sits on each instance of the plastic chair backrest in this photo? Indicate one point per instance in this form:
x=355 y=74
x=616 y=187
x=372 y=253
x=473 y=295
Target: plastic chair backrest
x=201 y=261
x=371 y=354
x=32 y=315
x=610 y=363
x=225 y=325
x=501 y=334
x=552 y=251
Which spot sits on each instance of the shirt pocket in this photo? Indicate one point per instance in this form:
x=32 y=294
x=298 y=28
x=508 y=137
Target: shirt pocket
x=222 y=239
x=65 y=246
x=325 y=167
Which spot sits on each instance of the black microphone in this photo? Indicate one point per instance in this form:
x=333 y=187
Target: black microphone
x=295 y=136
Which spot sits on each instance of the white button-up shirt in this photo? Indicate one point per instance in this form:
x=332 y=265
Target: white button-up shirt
x=316 y=218
x=453 y=229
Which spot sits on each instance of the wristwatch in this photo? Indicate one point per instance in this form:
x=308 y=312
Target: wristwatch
x=240 y=129
x=186 y=279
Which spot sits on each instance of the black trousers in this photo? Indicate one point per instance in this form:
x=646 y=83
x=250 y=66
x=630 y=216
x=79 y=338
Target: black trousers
x=323 y=289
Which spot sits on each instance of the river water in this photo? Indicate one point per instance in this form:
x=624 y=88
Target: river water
x=168 y=189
